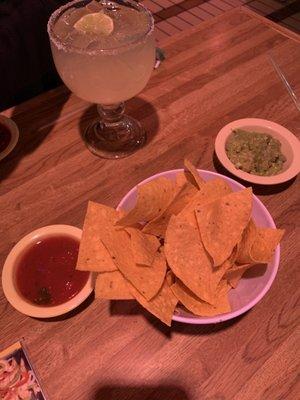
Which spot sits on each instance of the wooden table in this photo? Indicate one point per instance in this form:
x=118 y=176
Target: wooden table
x=213 y=74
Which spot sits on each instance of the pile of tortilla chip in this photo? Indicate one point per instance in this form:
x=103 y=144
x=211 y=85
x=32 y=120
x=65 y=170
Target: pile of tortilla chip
x=185 y=242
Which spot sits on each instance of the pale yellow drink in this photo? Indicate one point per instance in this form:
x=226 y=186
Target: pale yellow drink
x=99 y=67
x=104 y=52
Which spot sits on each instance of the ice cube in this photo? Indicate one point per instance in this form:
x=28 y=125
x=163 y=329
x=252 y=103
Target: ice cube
x=93 y=45
x=81 y=40
x=61 y=29
x=73 y=15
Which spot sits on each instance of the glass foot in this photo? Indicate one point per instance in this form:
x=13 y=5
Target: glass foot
x=114 y=138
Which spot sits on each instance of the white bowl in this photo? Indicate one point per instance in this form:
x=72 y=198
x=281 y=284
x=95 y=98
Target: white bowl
x=9 y=270
x=290 y=147
x=251 y=289
x=14 y=131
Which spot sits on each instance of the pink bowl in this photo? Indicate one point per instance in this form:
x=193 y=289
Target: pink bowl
x=254 y=284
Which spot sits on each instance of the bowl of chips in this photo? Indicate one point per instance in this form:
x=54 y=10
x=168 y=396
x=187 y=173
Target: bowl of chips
x=189 y=245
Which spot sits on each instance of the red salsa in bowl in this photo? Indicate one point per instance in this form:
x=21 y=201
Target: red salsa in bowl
x=45 y=272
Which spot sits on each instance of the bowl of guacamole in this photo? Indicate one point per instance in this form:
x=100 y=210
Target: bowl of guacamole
x=255 y=153
x=258 y=151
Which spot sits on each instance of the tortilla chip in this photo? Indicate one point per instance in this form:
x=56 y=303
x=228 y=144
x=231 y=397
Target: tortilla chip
x=143 y=246
x=192 y=174
x=117 y=242
x=147 y=281
x=159 y=225
x=218 y=274
x=222 y=223
x=162 y=305
x=233 y=255
x=112 y=286
x=182 y=198
x=265 y=244
x=258 y=244
x=170 y=278
x=153 y=198
x=209 y=192
x=234 y=274
x=199 y=307
x=244 y=247
x=188 y=259
x=137 y=225
x=180 y=179
x=93 y=256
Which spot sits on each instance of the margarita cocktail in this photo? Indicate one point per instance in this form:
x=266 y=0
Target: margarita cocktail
x=104 y=52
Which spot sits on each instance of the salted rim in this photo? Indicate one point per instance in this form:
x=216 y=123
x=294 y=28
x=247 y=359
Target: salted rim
x=68 y=48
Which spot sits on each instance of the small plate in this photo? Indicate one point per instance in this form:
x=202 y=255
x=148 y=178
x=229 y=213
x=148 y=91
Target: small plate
x=290 y=147
x=254 y=285
x=14 y=131
x=8 y=275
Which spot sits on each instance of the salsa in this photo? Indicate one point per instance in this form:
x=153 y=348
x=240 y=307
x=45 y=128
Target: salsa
x=5 y=137
x=255 y=153
x=46 y=274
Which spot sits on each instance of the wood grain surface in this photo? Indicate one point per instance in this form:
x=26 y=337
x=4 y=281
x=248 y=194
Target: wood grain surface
x=213 y=74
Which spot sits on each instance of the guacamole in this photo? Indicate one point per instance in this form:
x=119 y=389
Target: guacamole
x=255 y=153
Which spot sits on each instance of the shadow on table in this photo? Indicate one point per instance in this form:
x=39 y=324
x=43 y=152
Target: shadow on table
x=209 y=329
x=160 y=392
x=262 y=190
x=131 y=307
x=255 y=271
x=34 y=126
x=138 y=108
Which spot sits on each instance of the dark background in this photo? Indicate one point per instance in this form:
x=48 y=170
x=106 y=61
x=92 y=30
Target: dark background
x=26 y=66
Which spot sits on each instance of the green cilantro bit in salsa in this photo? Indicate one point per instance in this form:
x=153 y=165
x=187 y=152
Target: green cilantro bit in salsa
x=44 y=296
x=255 y=153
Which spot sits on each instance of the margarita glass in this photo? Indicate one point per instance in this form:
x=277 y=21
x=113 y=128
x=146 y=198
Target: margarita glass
x=104 y=52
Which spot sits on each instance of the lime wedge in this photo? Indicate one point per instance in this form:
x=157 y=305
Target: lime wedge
x=98 y=23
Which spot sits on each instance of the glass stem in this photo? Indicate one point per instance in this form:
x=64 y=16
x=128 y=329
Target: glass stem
x=111 y=113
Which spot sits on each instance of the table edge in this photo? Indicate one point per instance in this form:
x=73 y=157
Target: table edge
x=278 y=28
